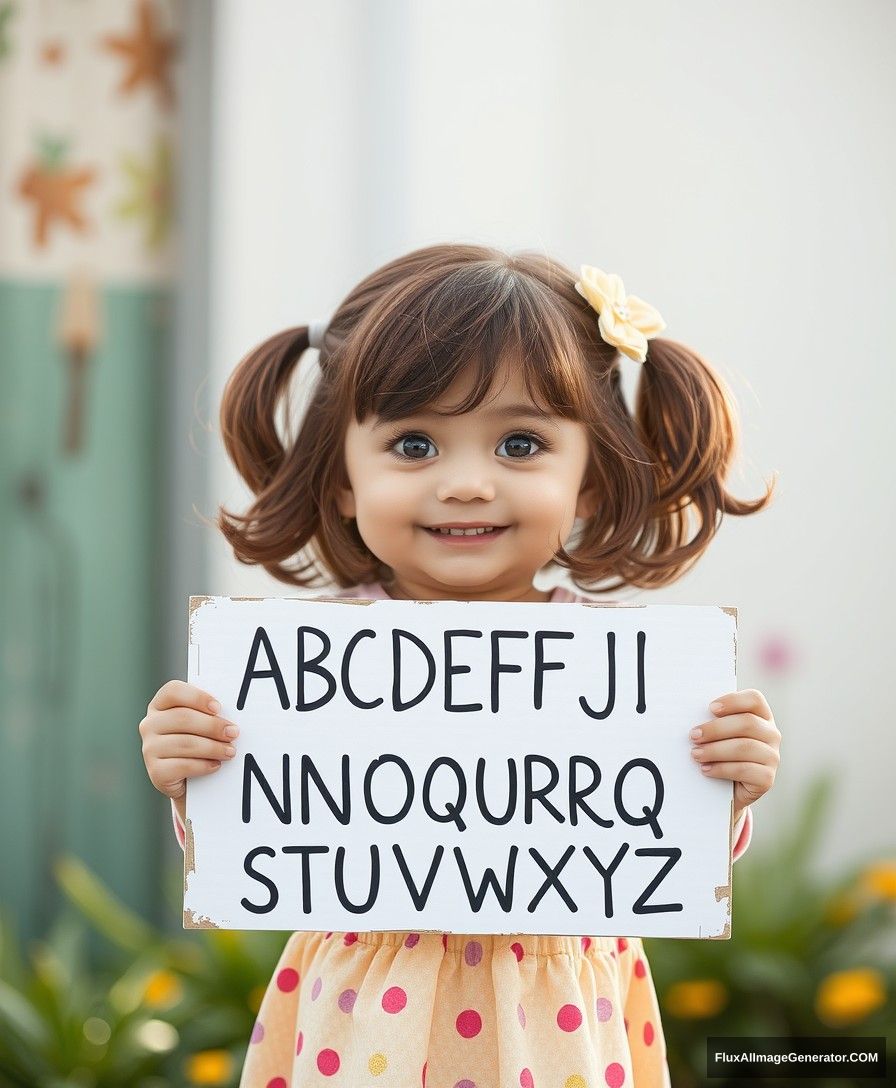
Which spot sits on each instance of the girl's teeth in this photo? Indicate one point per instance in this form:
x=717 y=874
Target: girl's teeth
x=467 y=532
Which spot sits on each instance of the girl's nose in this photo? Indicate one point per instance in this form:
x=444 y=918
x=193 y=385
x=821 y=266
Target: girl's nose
x=465 y=484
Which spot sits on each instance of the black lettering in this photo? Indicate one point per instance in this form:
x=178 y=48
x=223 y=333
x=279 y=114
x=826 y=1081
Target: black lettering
x=497 y=666
x=611 y=682
x=489 y=880
x=511 y=792
x=250 y=769
x=672 y=855
x=553 y=880
x=357 y=908
x=542 y=666
x=308 y=771
x=642 y=698
x=252 y=673
x=303 y=666
x=408 y=783
x=607 y=873
x=264 y=908
x=346 y=664
x=419 y=897
x=452 y=813
x=576 y=794
x=650 y=814
x=305 y=853
x=397 y=635
x=533 y=794
x=457 y=670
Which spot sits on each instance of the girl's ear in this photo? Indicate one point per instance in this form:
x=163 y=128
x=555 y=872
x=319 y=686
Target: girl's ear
x=345 y=502
x=586 y=504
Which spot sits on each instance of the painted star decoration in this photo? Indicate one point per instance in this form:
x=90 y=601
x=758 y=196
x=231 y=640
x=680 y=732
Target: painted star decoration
x=148 y=53
x=55 y=190
x=150 y=196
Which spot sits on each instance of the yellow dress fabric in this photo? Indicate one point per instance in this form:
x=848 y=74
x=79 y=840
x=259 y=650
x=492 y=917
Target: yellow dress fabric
x=432 y=1010
x=390 y=1009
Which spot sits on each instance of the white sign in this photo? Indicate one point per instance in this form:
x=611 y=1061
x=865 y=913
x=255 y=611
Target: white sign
x=460 y=767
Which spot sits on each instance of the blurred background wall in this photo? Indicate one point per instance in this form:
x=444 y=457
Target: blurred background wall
x=732 y=162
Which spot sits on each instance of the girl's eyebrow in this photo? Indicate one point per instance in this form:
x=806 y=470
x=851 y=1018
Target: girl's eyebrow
x=519 y=411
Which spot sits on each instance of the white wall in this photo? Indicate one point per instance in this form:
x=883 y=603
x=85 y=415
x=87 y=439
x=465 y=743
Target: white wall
x=731 y=162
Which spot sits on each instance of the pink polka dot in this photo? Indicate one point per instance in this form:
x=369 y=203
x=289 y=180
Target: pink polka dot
x=621 y=944
x=411 y=940
x=277 y=1082
x=473 y=953
x=257 y=1032
x=299 y=1042
x=569 y=1017
x=586 y=943
x=349 y=938
x=640 y=969
x=287 y=980
x=648 y=1033
x=614 y=1075
x=604 y=1009
x=526 y=1080
x=468 y=1023
x=394 y=999
x=328 y=1062
x=315 y=989
x=329 y=935
x=517 y=950
x=465 y=1084
x=521 y=1015
x=347 y=1000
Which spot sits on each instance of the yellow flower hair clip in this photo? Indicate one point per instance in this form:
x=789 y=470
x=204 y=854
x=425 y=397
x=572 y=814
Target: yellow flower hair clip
x=627 y=322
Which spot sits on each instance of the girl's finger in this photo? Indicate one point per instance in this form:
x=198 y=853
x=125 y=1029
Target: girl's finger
x=181 y=719
x=754 y=774
x=749 y=700
x=737 y=748
x=187 y=745
x=737 y=725
x=176 y=770
x=178 y=693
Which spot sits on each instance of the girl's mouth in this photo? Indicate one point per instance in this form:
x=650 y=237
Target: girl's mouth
x=466 y=538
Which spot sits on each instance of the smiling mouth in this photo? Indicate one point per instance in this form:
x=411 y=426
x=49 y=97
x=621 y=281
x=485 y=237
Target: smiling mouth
x=467 y=535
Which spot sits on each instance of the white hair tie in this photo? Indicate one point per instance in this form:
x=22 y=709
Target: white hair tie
x=316 y=332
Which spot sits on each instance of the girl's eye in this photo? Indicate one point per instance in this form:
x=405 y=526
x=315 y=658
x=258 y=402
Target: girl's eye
x=520 y=446
x=412 y=446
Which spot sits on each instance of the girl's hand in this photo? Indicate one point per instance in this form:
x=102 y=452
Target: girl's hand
x=183 y=737
x=741 y=744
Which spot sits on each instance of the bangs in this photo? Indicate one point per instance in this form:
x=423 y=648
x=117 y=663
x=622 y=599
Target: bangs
x=484 y=316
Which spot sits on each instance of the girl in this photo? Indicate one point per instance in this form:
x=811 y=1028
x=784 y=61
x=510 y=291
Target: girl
x=468 y=427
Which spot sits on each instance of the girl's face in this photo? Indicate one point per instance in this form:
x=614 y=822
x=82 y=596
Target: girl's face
x=504 y=465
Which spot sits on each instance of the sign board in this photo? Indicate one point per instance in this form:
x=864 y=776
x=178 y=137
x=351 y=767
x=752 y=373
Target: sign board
x=486 y=767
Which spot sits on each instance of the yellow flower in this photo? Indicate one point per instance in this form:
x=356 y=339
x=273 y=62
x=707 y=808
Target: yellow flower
x=163 y=988
x=846 y=997
x=628 y=322
x=696 y=999
x=209 y=1067
x=880 y=880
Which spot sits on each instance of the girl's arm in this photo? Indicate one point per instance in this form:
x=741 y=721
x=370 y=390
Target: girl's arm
x=743 y=832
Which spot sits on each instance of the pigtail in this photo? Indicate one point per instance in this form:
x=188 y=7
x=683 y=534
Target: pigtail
x=687 y=420
x=286 y=513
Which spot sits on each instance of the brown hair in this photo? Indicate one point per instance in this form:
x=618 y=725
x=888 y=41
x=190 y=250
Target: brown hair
x=393 y=347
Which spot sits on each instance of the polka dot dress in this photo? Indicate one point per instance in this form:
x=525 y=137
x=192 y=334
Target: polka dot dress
x=436 y=1010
